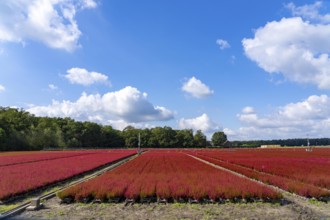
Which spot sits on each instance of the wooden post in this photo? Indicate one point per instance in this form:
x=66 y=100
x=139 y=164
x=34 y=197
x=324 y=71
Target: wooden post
x=35 y=204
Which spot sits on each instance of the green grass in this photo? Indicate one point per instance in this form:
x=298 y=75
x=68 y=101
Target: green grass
x=315 y=202
x=5 y=208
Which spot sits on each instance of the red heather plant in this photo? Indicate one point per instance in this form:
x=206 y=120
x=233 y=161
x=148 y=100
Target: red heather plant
x=148 y=190
x=83 y=193
x=100 y=194
x=117 y=191
x=132 y=191
x=163 y=190
x=198 y=193
x=71 y=192
x=232 y=193
x=179 y=191
x=272 y=194
x=216 y=193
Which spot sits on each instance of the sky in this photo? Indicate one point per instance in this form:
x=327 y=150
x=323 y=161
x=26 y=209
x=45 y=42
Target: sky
x=253 y=69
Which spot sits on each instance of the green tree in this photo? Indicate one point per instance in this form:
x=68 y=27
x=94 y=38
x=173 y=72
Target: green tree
x=200 y=139
x=111 y=138
x=130 y=135
x=163 y=137
x=145 y=137
x=15 y=124
x=45 y=134
x=91 y=135
x=185 y=138
x=218 y=138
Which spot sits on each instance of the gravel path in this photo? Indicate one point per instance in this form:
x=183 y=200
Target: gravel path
x=53 y=210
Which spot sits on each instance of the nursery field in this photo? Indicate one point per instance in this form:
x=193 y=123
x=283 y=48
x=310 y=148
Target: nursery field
x=294 y=170
x=21 y=173
x=167 y=176
x=173 y=175
x=231 y=181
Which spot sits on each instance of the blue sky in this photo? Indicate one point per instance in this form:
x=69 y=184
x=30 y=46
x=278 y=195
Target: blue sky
x=254 y=69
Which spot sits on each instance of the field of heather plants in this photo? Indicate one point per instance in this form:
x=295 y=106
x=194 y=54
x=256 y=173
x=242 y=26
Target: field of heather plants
x=168 y=176
x=294 y=170
x=310 y=167
x=21 y=173
x=204 y=177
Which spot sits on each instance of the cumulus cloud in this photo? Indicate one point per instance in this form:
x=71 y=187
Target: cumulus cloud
x=84 y=77
x=309 y=12
x=51 y=22
x=248 y=110
x=52 y=87
x=296 y=48
x=196 y=88
x=122 y=124
x=310 y=116
x=2 y=88
x=128 y=104
x=88 y=4
x=202 y=122
x=223 y=44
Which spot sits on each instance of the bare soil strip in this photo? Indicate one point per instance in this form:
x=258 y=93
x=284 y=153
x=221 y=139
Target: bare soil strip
x=319 y=209
x=170 y=211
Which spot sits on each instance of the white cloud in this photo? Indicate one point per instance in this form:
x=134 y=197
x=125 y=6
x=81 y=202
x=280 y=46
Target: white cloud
x=297 y=49
x=223 y=44
x=2 y=88
x=52 y=87
x=202 y=122
x=196 y=88
x=88 y=4
x=309 y=12
x=229 y=132
x=233 y=59
x=83 y=77
x=127 y=104
x=50 y=22
x=122 y=124
x=310 y=116
x=248 y=110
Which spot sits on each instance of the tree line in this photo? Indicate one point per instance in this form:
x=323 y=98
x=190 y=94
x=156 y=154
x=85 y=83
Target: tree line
x=283 y=142
x=20 y=130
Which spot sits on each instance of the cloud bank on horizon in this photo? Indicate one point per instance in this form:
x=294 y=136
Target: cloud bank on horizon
x=287 y=121
x=126 y=105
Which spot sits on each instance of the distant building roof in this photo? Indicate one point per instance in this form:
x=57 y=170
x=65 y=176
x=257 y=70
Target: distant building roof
x=227 y=144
